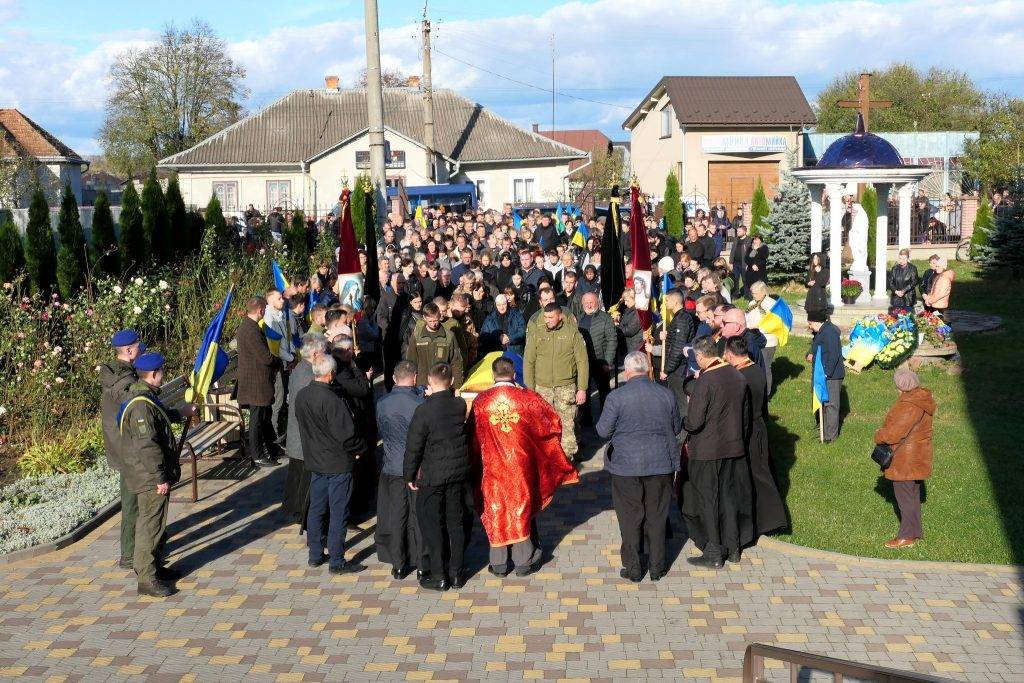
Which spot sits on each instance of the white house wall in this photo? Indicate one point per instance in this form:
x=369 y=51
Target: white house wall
x=497 y=177
x=651 y=155
x=197 y=186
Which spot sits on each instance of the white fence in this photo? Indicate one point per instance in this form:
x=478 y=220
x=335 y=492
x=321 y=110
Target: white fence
x=84 y=212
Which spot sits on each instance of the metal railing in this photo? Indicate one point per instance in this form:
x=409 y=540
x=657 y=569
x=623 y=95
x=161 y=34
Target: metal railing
x=756 y=653
x=947 y=231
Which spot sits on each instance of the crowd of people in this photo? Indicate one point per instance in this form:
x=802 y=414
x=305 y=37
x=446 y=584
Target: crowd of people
x=688 y=418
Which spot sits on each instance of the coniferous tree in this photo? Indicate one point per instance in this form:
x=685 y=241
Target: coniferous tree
x=326 y=243
x=133 y=239
x=787 y=231
x=216 y=238
x=71 y=261
x=105 y=256
x=195 y=224
x=674 y=214
x=154 y=220
x=294 y=239
x=40 y=255
x=12 y=253
x=177 y=219
x=984 y=222
x=1004 y=252
x=869 y=202
x=358 y=207
x=759 y=209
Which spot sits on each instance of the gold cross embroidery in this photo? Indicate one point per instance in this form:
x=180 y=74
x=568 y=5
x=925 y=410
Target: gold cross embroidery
x=504 y=415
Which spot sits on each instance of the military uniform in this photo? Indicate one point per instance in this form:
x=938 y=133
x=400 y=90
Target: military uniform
x=556 y=367
x=427 y=348
x=116 y=378
x=149 y=459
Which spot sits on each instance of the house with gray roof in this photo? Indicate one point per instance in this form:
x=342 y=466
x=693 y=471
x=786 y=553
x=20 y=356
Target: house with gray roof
x=30 y=157
x=298 y=151
x=720 y=134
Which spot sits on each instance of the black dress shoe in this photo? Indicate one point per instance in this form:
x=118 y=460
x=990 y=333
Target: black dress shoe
x=493 y=571
x=432 y=584
x=734 y=556
x=346 y=568
x=168 y=574
x=126 y=563
x=399 y=573
x=420 y=574
x=706 y=562
x=319 y=562
x=262 y=462
x=635 y=578
x=155 y=589
x=657 y=576
x=459 y=582
x=527 y=570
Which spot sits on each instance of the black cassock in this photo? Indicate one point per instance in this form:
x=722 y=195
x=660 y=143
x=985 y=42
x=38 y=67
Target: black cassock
x=769 y=510
x=397 y=536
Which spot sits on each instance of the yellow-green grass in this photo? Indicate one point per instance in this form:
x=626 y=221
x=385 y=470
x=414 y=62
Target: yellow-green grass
x=974 y=503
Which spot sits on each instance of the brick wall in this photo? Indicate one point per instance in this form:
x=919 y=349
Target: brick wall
x=969 y=209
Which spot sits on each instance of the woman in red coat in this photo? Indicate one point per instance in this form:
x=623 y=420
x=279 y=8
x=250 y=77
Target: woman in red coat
x=908 y=430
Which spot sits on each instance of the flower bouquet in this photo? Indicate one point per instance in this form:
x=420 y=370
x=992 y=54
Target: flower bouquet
x=850 y=290
x=902 y=342
x=867 y=338
x=936 y=331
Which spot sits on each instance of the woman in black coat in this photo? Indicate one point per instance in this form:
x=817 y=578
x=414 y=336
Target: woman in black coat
x=902 y=283
x=757 y=264
x=504 y=272
x=817 y=281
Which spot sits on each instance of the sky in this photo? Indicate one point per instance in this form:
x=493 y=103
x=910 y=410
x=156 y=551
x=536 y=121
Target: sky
x=55 y=54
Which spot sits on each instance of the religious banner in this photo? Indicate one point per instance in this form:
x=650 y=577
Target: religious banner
x=350 y=275
x=641 y=258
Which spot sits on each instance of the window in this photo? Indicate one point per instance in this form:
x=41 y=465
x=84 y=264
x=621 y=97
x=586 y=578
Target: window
x=666 y=122
x=523 y=190
x=279 y=193
x=227 y=195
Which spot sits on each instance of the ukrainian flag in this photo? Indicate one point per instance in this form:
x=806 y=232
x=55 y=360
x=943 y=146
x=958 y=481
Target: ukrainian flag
x=580 y=237
x=819 y=386
x=559 y=225
x=419 y=218
x=666 y=315
x=279 y=280
x=212 y=360
x=517 y=221
x=777 y=321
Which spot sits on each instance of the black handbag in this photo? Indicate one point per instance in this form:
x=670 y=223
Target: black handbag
x=883 y=452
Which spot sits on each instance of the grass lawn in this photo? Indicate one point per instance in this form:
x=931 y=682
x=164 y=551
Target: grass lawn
x=974 y=502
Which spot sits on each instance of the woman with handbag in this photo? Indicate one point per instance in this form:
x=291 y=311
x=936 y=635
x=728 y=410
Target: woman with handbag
x=908 y=434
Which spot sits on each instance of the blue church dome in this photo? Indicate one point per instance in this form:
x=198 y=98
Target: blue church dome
x=860 y=149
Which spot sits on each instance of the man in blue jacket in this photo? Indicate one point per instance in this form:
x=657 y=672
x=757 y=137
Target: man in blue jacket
x=642 y=420
x=829 y=340
x=397 y=536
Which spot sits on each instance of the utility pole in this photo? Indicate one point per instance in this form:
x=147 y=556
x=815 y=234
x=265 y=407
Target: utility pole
x=375 y=110
x=428 y=99
x=552 y=82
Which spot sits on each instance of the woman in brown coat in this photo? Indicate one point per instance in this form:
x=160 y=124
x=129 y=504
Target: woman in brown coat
x=908 y=430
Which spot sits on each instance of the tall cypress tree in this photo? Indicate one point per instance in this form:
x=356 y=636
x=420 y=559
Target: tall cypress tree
x=154 y=219
x=359 y=206
x=1004 y=253
x=984 y=222
x=40 y=255
x=295 y=239
x=71 y=257
x=673 y=206
x=12 y=253
x=216 y=238
x=133 y=240
x=177 y=219
x=105 y=257
x=759 y=209
x=194 y=226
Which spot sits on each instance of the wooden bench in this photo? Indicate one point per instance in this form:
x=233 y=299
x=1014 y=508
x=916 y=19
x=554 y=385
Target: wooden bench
x=218 y=423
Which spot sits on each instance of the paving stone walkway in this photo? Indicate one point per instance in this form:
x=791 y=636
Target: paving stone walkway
x=249 y=609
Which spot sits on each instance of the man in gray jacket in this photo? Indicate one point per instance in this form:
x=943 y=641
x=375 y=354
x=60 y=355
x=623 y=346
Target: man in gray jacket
x=598 y=330
x=397 y=535
x=641 y=419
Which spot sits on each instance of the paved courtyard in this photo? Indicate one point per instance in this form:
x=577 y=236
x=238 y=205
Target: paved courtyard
x=250 y=609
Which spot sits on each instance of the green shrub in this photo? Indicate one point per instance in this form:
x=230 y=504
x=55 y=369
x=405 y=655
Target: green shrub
x=66 y=456
x=106 y=258
x=984 y=222
x=869 y=202
x=177 y=219
x=154 y=220
x=294 y=239
x=40 y=255
x=134 y=249
x=759 y=209
x=12 y=253
x=674 y=214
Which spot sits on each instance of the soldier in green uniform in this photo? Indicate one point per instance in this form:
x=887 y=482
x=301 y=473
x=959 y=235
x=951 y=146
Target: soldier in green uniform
x=150 y=467
x=116 y=377
x=432 y=344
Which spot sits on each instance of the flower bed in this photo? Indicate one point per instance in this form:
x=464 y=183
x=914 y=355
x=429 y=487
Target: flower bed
x=935 y=330
x=37 y=510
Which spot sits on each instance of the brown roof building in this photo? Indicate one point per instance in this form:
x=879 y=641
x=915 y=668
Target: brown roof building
x=54 y=164
x=720 y=134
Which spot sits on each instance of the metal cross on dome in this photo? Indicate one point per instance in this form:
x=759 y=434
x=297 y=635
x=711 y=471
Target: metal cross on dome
x=864 y=102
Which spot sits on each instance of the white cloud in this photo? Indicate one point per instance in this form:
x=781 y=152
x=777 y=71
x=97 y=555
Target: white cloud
x=608 y=51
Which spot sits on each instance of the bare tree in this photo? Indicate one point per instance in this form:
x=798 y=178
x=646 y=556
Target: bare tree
x=169 y=96
x=390 y=78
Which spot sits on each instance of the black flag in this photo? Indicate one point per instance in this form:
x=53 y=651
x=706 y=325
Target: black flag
x=613 y=272
x=371 y=283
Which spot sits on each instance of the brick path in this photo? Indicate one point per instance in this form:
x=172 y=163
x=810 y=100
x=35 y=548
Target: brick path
x=250 y=609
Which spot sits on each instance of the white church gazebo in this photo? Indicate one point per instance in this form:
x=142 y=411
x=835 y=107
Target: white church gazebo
x=860 y=157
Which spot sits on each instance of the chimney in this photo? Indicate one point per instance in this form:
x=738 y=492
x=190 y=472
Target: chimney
x=536 y=128
x=331 y=82
x=413 y=82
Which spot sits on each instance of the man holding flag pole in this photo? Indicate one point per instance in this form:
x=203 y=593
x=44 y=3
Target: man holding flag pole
x=828 y=373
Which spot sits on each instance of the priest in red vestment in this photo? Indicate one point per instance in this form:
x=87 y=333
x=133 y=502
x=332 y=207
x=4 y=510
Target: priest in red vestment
x=518 y=452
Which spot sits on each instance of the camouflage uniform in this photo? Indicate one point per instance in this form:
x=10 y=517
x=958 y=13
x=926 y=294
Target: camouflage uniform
x=555 y=366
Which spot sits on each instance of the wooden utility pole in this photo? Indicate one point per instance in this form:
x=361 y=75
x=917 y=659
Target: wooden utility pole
x=428 y=100
x=375 y=110
x=864 y=102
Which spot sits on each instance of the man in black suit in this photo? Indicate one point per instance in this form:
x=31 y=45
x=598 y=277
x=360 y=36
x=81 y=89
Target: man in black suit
x=828 y=339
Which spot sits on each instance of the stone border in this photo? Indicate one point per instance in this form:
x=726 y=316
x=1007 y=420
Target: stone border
x=76 y=534
x=879 y=562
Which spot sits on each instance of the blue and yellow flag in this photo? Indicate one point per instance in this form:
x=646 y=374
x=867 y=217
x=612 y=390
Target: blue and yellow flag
x=580 y=237
x=212 y=360
x=419 y=218
x=819 y=386
x=777 y=321
x=517 y=221
x=666 y=285
x=279 y=280
x=559 y=225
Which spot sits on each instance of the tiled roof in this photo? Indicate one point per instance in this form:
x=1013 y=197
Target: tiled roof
x=704 y=101
x=587 y=138
x=19 y=133
x=306 y=123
